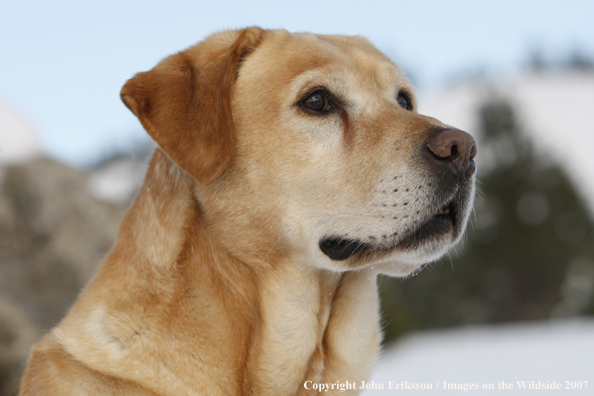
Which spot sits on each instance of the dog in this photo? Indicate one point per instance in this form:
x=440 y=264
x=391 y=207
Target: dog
x=291 y=169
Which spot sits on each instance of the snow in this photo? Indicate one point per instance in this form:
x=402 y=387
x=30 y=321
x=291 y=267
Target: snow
x=119 y=180
x=560 y=351
x=559 y=113
x=19 y=141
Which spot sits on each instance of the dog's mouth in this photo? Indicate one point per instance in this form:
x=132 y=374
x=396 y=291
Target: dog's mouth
x=445 y=219
x=443 y=223
x=441 y=227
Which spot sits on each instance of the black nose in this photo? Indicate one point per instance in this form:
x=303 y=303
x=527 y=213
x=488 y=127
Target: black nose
x=454 y=147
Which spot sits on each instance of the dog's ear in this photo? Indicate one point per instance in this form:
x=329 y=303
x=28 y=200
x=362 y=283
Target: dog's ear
x=184 y=103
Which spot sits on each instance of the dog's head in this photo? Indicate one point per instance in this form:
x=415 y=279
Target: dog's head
x=309 y=147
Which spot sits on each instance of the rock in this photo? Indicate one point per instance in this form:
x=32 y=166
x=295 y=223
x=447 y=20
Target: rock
x=53 y=235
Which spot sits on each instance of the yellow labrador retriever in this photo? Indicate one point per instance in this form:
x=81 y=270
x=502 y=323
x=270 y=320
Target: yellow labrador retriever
x=291 y=170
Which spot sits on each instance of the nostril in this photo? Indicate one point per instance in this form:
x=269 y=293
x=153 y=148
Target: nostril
x=453 y=146
x=454 y=150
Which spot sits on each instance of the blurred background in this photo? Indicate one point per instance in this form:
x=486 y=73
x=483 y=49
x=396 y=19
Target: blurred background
x=513 y=301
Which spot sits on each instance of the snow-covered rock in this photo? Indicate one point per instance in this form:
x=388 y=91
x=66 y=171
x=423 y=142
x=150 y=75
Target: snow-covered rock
x=118 y=180
x=19 y=141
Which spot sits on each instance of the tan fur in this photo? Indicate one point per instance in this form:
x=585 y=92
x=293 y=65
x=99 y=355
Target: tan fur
x=216 y=284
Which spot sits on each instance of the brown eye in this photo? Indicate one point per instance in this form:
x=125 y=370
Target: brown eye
x=404 y=101
x=317 y=102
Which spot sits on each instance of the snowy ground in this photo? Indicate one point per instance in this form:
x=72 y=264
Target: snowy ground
x=542 y=352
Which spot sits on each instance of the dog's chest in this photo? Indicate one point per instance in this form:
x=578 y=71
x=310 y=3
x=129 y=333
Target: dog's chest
x=335 y=342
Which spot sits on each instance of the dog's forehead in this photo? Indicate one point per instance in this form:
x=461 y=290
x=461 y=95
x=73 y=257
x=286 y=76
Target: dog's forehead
x=283 y=57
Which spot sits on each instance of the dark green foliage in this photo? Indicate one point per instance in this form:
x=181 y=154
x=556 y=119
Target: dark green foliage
x=528 y=253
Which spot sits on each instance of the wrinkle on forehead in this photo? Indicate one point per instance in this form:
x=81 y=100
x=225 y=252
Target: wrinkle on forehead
x=352 y=57
x=368 y=60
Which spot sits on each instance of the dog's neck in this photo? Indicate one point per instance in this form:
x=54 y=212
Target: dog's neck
x=276 y=325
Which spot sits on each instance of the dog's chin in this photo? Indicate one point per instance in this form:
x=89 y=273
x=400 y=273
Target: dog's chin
x=397 y=268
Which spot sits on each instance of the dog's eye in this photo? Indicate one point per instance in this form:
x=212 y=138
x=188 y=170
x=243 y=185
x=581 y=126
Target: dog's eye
x=317 y=102
x=404 y=101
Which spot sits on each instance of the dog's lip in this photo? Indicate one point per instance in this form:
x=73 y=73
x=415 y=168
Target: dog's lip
x=447 y=212
x=339 y=249
x=443 y=221
x=440 y=223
